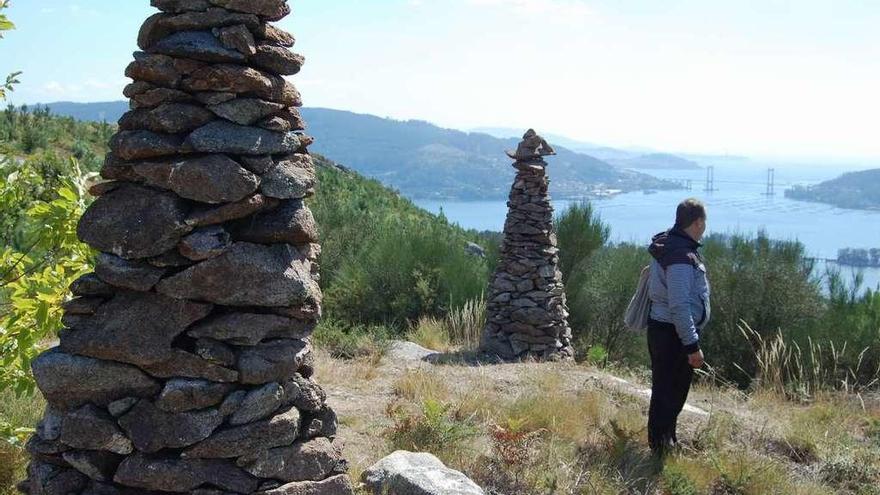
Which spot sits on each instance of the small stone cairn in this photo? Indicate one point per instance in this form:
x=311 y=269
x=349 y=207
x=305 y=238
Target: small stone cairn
x=185 y=363
x=527 y=313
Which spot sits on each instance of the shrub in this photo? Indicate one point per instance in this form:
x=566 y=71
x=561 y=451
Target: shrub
x=435 y=427
x=580 y=232
x=346 y=341
x=599 y=291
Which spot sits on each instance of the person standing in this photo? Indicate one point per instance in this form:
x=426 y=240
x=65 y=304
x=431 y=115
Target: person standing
x=678 y=288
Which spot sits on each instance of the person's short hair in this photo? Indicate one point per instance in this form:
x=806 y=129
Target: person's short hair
x=688 y=212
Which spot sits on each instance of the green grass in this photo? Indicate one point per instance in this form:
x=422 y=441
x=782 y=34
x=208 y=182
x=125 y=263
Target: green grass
x=23 y=412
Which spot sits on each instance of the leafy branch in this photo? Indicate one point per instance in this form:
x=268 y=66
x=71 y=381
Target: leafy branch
x=7 y=25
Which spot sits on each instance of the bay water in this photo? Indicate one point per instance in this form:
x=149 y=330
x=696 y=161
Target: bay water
x=739 y=203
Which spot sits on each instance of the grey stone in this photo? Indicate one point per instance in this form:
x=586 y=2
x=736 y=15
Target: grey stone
x=182 y=394
x=213 y=97
x=303 y=393
x=90 y=285
x=278 y=60
x=208 y=179
x=161 y=26
x=271 y=35
x=321 y=423
x=237 y=441
x=91 y=428
x=155 y=69
x=246 y=111
x=158 y=96
x=272 y=361
x=49 y=479
x=47 y=450
x=314 y=460
x=249 y=329
x=116 y=169
x=49 y=428
x=68 y=381
x=152 y=429
x=272 y=10
x=197 y=45
x=128 y=274
x=291 y=223
x=275 y=123
x=136 y=88
x=135 y=328
x=232 y=402
x=258 y=404
x=239 y=79
x=226 y=137
x=336 y=485
x=205 y=243
x=139 y=145
x=97 y=465
x=203 y=216
x=247 y=275
x=400 y=350
x=291 y=178
x=182 y=475
x=257 y=164
x=134 y=222
x=216 y=352
x=417 y=474
x=102 y=188
x=532 y=316
x=168 y=118
x=237 y=38
x=119 y=407
x=170 y=259
x=82 y=305
x=184 y=364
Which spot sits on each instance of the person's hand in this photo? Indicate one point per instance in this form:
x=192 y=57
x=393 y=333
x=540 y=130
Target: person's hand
x=696 y=359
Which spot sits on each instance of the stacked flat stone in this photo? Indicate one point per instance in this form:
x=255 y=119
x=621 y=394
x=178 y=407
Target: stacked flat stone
x=526 y=310
x=185 y=363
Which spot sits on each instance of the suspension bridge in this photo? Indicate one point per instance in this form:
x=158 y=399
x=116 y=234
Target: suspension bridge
x=711 y=182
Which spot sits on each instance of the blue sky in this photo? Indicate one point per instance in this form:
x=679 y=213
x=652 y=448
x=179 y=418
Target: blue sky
x=795 y=78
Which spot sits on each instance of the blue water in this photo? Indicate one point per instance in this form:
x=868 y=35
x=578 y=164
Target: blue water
x=738 y=205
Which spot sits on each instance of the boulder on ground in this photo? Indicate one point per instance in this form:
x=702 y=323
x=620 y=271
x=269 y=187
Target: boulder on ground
x=417 y=474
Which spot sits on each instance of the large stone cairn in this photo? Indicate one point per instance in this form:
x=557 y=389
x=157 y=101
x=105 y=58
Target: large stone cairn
x=527 y=312
x=185 y=363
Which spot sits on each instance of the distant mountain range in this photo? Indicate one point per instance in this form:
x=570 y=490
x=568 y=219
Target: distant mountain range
x=631 y=158
x=858 y=190
x=424 y=161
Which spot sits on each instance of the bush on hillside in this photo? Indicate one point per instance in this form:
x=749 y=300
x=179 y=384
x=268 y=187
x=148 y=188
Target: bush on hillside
x=386 y=261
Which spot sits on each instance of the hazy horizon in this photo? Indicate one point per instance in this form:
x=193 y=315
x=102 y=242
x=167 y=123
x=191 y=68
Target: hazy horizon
x=764 y=79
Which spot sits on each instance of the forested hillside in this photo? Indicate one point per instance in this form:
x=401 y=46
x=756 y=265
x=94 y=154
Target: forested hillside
x=859 y=190
x=423 y=160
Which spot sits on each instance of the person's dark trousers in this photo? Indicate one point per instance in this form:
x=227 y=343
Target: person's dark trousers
x=671 y=377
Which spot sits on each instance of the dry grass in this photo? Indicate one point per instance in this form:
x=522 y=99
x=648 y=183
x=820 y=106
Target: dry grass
x=356 y=373
x=459 y=330
x=542 y=436
x=800 y=373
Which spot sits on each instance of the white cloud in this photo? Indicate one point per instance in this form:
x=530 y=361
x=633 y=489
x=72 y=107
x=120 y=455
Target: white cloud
x=90 y=89
x=560 y=10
